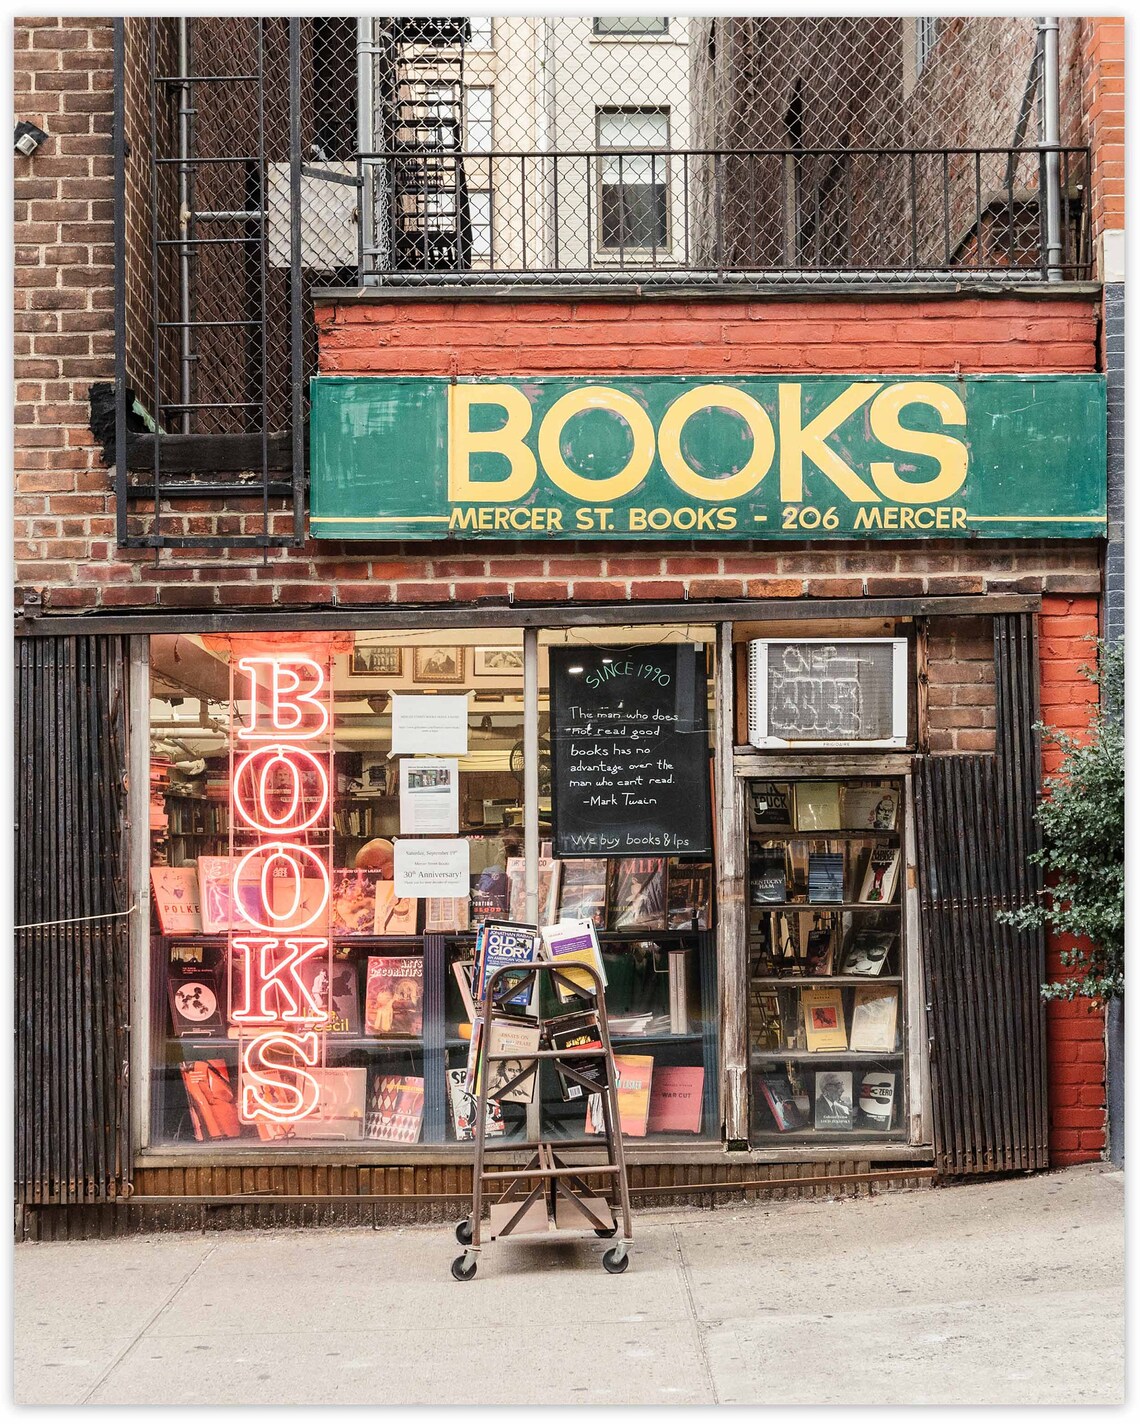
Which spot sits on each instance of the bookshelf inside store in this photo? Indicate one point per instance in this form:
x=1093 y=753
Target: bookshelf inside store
x=827 y=961
x=392 y=1049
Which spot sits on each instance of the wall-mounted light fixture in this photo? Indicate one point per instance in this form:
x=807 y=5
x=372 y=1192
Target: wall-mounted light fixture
x=28 y=138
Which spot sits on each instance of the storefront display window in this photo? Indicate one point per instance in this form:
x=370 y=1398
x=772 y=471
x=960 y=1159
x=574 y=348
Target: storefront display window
x=827 y=958
x=298 y=994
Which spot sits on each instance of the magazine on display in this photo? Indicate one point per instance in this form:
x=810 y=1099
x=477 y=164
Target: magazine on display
x=637 y=901
x=394 y=996
x=781 y=1100
x=175 y=893
x=583 y=891
x=881 y=874
x=690 y=895
x=549 y=878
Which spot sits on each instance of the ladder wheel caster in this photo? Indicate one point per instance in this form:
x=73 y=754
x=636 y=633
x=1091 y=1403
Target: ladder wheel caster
x=614 y=1263
x=461 y=1271
x=463 y=1232
x=605 y=1232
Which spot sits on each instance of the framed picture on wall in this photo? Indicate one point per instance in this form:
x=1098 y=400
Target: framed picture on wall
x=501 y=664
x=376 y=662
x=437 y=664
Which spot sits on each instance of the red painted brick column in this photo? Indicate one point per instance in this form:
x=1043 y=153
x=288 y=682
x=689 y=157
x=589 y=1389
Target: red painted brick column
x=1075 y=1034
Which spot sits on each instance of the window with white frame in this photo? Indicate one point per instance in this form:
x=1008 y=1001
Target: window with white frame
x=633 y=199
x=482 y=32
x=479 y=139
x=630 y=26
x=925 y=38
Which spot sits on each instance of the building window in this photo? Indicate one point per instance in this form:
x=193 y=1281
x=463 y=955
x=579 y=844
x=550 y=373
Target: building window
x=633 y=201
x=925 y=38
x=482 y=32
x=615 y=26
x=479 y=120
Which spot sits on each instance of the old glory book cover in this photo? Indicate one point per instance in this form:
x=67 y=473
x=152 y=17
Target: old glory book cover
x=675 y=1100
x=175 y=891
x=395 y=1109
x=874 y=1019
x=635 y=1079
x=506 y=943
x=824 y=1023
x=394 y=996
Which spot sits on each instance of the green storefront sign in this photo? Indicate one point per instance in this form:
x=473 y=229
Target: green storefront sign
x=696 y=457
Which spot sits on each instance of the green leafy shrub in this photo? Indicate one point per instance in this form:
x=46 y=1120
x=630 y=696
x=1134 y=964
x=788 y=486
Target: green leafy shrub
x=1081 y=816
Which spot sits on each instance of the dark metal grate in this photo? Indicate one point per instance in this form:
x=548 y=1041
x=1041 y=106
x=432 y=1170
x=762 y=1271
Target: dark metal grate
x=71 y=979
x=983 y=979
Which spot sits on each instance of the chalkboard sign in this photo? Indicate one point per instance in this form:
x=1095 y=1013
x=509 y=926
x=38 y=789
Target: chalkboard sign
x=630 y=751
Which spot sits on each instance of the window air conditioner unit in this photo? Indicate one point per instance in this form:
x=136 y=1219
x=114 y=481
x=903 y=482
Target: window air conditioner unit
x=827 y=692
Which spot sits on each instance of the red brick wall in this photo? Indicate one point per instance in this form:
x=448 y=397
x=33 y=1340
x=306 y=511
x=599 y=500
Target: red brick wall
x=64 y=504
x=961 y=706
x=1075 y=1035
x=1102 y=52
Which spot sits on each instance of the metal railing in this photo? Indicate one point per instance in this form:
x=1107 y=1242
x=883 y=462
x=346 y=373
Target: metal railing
x=703 y=216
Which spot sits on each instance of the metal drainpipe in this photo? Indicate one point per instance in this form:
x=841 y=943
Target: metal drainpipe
x=1048 y=28
x=368 y=235
x=185 y=214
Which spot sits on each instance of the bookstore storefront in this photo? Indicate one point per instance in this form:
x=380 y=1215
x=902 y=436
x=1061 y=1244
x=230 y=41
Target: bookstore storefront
x=333 y=813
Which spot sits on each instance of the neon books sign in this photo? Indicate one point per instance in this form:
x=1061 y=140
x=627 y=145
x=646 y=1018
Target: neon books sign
x=280 y=842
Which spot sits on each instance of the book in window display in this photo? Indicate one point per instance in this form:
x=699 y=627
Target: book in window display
x=210 y=1098
x=868 y=951
x=634 y=1084
x=880 y=876
x=870 y=808
x=676 y=1099
x=769 y=806
x=395 y=1109
x=578 y=1031
x=549 y=878
x=817 y=806
x=786 y=1112
x=512 y=1079
x=353 y=899
x=447 y=914
x=824 y=1022
x=335 y=986
x=297 y=905
x=769 y=878
x=215 y=885
x=834 y=1101
x=339 y=1113
x=395 y=914
x=637 y=900
x=194 y=991
x=175 y=892
x=394 y=996
x=490 y=895
x=583 y=892
x=820 y=944
x=690 y=895
x=876 y=1101
x=465 y=1109
x=504 y=943
x=572 y=942
x=825 y=877
x=874 y=1019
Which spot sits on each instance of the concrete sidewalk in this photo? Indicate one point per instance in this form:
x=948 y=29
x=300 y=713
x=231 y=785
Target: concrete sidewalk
x=1010 y=1292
